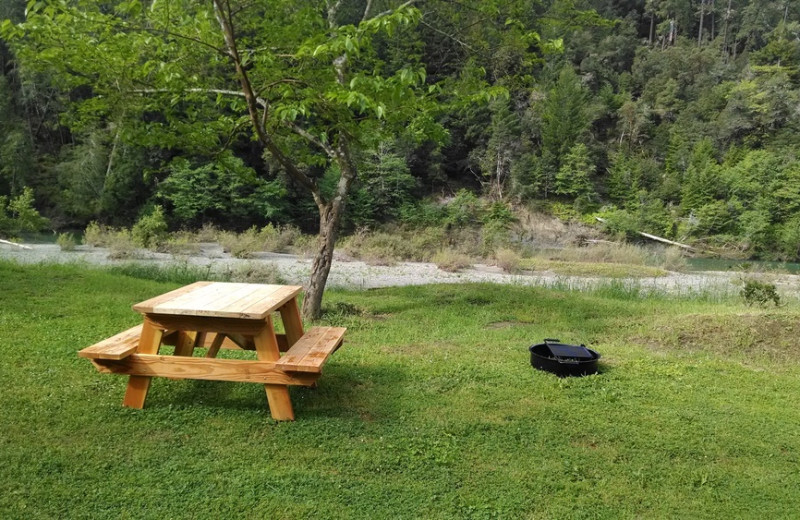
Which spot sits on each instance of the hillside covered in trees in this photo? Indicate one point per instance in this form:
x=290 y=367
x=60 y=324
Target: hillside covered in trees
x=679 y=118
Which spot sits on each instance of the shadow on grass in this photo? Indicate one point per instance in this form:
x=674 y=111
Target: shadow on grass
x=359 y=392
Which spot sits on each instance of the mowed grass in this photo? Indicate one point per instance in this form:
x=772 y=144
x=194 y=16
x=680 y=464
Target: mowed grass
x=430 y=410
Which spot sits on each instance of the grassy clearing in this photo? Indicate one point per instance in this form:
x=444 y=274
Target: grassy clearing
x=430 y=410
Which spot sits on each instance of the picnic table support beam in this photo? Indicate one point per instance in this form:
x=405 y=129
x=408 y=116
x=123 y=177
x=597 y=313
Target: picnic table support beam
x=280 y=405
x=150 y=341
x=292 y=322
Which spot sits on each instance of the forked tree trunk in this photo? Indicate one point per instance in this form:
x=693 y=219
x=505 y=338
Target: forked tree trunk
x=330 y=216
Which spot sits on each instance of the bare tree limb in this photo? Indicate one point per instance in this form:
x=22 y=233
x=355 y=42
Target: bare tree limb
x=450 y=36
x=366 y=11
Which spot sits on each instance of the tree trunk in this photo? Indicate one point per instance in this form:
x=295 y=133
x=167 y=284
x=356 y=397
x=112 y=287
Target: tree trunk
x=652 y=28
x=700 y=30
x=330 y=216
x=323 y=260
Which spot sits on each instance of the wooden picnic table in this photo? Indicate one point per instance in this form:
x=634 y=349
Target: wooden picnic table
x=212 y=316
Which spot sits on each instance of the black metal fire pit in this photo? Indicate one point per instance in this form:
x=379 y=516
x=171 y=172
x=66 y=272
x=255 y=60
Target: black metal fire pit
x=562 y=359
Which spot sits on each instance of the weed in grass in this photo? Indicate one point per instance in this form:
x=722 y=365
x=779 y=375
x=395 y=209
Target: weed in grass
x=761 y=293
x=178 y=273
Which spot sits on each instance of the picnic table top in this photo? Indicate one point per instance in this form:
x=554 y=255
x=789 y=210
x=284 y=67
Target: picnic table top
x=221 y=300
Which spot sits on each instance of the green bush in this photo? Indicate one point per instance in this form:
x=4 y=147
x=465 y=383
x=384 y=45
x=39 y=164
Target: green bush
x=96 y=235
x=121 y=245
x=66 y=241
x=151 y=229
x=241 y=245
x=18 y=215
x=451 y=260
x=758 y=292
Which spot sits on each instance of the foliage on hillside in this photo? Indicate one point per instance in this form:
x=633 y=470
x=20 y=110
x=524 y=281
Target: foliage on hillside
x=663 y=116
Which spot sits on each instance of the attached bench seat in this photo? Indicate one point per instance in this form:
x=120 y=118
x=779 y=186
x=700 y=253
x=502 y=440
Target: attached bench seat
x=312 y=350
x=307 y=355
x=116 y=347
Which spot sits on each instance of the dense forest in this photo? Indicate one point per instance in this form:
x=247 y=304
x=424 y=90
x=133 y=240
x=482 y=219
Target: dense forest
x=675 y=117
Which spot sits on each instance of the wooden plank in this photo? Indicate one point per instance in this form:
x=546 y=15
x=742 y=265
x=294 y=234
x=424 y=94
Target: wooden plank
x=248 y=327
x=265 y=295
x=292 y=322
x=213 y=349
x=147 y=305
x=226 y=300
x=229 y=344
x=299 y=350
x=280 y=405
x=213 y=300
x=138 y=386
x=235 y=370
x=261 y=309
x=118 y=346
x=185 y=344
x=313 y=350
x=192 y=302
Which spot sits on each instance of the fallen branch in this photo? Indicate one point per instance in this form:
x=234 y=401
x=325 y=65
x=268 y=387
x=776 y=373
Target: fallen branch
x=658 y=239
x=14 y=244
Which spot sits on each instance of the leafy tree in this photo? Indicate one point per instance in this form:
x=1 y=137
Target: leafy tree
x=702 y=181
x=573 y=178
x=18 y=214
x=303 y=79
x=224 y=190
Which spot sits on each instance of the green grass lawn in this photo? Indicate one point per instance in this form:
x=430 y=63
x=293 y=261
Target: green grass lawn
x=430 y=410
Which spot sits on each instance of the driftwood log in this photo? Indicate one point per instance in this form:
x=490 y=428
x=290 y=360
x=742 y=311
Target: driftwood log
x=14 y=244
x=658 y=239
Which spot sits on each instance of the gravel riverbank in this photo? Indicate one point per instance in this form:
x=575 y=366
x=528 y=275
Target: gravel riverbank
x=359 y=275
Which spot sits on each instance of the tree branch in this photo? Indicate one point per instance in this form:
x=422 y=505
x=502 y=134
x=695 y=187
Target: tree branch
x=366 y=11
x=254 y=102
x=305 y=134
x=450 y=36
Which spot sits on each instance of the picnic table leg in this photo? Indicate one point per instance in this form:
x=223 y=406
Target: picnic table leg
x=186 y=343
x=290 y=315
x=149 y=342
x=280 y=406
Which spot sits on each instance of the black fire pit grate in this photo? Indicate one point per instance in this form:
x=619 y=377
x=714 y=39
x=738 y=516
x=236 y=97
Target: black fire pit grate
x=563 y=359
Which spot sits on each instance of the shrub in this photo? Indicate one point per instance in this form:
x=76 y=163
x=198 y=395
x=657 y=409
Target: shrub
x=278 y=239
x=66 y=241
x=179 y=244
x=304 y=245
x=96 y=235
x=121 y=245
x=450 y=260
x=207 y=233
x=18 y=214
x=507 y=259
x=758 y=292
x=241 y=245
x=256 y=272
x=150 y=229
x=674 y=260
